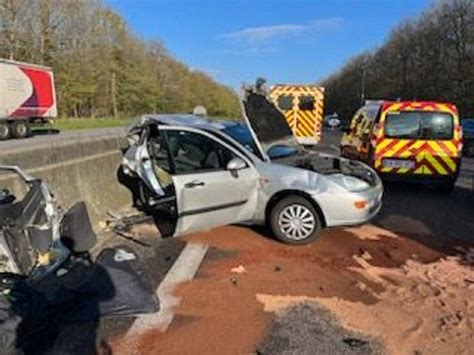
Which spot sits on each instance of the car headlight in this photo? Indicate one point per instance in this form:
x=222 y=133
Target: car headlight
x=350 y=183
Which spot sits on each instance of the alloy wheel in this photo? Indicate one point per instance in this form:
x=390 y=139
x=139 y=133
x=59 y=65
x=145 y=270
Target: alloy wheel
x=297 y=222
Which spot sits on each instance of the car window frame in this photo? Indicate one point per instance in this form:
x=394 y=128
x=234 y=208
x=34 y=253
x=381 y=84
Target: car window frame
x=204 y=133
x=164 y=143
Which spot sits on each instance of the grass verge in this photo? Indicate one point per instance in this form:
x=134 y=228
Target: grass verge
x=70 y=124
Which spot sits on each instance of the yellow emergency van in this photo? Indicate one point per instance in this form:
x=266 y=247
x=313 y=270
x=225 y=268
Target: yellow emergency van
x=303 y=107
x=407 y=140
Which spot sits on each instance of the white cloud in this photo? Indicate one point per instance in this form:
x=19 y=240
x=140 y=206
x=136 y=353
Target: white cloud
x=267 y=33
x=255 y=50
x=258 y=34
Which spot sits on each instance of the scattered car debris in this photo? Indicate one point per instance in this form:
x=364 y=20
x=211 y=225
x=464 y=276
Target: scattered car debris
x=122 y=225
x=238 y=270
x=354 y=342
x=50 y=285
x=123 y=255
x=365 y=255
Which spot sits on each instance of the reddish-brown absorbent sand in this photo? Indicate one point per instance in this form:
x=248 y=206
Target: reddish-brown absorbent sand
x=410 y=297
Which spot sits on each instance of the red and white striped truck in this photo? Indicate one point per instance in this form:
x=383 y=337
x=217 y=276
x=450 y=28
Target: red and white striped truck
x=27 y=95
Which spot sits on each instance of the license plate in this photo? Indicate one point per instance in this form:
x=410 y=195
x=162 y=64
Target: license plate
x=398 y=163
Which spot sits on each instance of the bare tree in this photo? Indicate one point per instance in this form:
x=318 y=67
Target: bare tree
x=12 y=19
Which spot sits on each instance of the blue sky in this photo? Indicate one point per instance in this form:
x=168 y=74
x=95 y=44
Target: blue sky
x=299 y=41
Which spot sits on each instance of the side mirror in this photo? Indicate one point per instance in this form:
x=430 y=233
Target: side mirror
x=236 y=164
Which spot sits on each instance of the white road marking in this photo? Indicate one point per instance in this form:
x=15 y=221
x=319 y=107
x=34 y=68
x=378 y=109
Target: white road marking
x=184 y=269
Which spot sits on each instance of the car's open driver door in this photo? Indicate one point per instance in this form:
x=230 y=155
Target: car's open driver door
x=211 y=191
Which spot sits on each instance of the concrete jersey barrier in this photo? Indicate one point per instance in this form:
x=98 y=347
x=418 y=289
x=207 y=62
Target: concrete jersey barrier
x=81 y=166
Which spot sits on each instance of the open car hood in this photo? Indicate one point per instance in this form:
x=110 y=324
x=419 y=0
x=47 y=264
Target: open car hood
x=266 y=121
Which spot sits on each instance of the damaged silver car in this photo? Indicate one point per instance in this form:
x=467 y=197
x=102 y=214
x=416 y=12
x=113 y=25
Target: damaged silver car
x=195 y=173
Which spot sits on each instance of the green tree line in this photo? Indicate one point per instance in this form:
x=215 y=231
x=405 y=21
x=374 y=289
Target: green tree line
x=101 y=67
x=426 y=58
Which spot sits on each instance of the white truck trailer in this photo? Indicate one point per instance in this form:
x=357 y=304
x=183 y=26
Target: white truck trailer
x=27 y=95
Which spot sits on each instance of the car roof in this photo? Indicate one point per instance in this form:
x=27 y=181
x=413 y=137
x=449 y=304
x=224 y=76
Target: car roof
x=421 y=105
x=372 y=107
x=189 y=120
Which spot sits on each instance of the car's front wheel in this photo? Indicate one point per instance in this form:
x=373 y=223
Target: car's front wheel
x=294 y=220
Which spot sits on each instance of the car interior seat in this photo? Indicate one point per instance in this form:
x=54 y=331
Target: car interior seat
x=212 y=161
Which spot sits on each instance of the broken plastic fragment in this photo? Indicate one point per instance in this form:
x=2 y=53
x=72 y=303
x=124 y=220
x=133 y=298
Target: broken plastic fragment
x=354 y=343
x=239 y=269
x=122 y=255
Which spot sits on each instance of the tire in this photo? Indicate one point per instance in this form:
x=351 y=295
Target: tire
x=5 y=131
x=21 y=129
x=288 y=228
